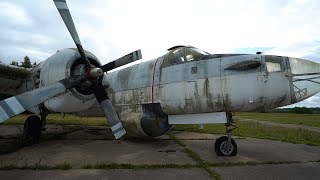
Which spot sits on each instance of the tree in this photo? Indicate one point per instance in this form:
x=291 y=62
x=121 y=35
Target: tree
x=14 y=63
x=34 y=64
x=26 y=62
x=301 y=110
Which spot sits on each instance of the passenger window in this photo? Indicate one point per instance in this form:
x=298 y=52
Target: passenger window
x=274 y=63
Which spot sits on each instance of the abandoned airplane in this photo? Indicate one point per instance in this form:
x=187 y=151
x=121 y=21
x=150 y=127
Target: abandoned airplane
x=184 y=86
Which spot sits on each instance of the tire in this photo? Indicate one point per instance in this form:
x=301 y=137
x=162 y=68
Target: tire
x=32 y=129
x=220 y=147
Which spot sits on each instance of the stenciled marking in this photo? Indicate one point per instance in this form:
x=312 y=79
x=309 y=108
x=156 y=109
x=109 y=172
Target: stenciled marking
x=120 y=133
x=4 y=105
x=117 y=126
x=3 y=115
x=61 y=5
x=14 y=105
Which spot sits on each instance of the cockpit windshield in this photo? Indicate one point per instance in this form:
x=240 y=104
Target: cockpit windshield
x=180 y=54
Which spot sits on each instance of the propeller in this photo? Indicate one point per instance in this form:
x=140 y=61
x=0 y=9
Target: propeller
x=18 y=104
x=93 y=73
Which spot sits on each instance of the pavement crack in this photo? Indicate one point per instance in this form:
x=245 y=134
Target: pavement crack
x=196 y=158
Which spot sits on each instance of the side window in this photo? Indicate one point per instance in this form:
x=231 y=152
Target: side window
x=274 y=63
x=181 y=55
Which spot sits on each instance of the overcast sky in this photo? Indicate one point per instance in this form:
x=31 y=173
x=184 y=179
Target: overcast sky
x=112 y=28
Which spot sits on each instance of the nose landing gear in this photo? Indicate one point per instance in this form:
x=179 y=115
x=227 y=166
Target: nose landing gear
x=225 y=145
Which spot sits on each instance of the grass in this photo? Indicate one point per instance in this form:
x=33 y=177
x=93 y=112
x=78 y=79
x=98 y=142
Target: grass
x=287 y=118
x=137 y=167
x=68 y=119
x=63 y=166
x=246 y=129
x=37 y=166
x=252 y=163
x=257 y=130
x=200 y=162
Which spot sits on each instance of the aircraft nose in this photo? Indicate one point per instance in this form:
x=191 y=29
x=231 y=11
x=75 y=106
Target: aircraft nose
x=305 y=78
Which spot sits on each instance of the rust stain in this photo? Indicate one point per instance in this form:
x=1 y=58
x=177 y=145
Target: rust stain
x=219 y=103
x=227 y=103
x=123 y=77
x=208 y=95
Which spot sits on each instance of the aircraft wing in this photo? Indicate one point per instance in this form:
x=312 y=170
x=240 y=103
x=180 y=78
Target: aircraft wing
x=11 y=77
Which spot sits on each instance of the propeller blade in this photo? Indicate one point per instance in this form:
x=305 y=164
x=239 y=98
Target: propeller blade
x=17 y=104
x=67 y=19
x=107 y=108
x=136 y=55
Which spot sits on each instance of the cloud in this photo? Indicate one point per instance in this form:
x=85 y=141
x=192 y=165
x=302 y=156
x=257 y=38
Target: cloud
x=313 y=101
x=113 y=28
x=15 y=14
x=309 y=50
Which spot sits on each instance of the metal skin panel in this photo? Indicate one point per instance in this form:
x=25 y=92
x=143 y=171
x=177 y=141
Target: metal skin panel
x=133 y=77
x=203 y=118
x=227 y=90
x=305 y=78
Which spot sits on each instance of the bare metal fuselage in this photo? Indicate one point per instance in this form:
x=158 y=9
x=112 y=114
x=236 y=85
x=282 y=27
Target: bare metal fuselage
x=207 y=86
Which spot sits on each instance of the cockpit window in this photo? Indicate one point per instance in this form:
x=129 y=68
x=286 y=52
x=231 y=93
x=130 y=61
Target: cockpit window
x=182 y=54
x=274 y=63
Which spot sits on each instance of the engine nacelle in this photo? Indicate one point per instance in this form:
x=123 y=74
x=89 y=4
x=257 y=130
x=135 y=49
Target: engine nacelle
x=144 y=120
x=138 y=120
x=61 y=65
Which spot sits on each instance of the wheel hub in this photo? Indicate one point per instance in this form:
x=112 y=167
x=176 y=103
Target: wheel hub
x=226 y=148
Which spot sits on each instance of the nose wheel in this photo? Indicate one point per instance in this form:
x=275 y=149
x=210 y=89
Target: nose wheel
x=225 y=145
x=225 y=148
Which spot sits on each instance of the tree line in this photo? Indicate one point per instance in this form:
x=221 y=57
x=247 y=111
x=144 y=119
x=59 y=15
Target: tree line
x=26 y=63
x=298 y=110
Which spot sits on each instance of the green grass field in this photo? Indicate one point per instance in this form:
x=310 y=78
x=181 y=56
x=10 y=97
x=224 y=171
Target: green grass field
x=246 y=129
x=68 y=119
x=261 y=131
x=287 y=118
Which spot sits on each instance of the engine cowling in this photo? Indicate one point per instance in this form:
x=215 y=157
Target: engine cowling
x=145 y=120
x=61 y=65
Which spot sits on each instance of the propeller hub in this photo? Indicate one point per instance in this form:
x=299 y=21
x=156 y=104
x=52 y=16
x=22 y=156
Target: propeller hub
x=96 y=72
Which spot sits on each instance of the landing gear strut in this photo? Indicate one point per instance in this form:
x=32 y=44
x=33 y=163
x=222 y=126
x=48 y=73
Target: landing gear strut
x=43 y=114
x=225 y=145
x=34 y=125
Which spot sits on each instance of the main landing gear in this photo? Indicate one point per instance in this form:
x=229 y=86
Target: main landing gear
x=34 y=125
x=32 y=129
x=225 y=145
